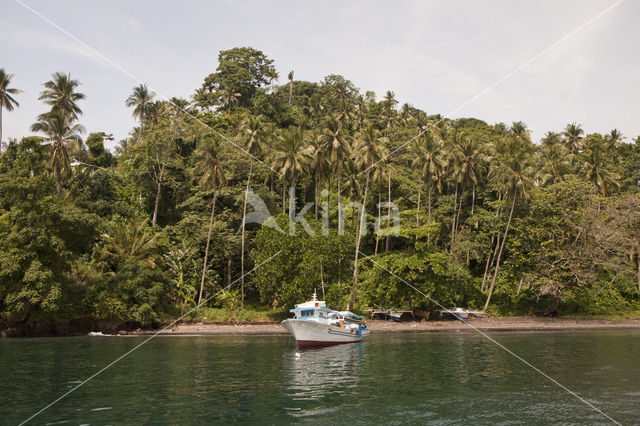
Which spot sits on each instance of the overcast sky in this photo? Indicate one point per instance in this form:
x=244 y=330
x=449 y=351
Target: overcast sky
x=435 y=55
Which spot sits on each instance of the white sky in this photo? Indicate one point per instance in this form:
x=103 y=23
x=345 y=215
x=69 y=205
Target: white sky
x=435 y=55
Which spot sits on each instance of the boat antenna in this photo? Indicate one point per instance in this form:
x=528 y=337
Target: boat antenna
x=322 y=280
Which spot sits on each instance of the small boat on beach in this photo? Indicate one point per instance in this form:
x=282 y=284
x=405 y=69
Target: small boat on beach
x=316 y=325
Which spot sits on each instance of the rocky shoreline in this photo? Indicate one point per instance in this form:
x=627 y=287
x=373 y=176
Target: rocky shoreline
x=191 y=328
x=493 y=324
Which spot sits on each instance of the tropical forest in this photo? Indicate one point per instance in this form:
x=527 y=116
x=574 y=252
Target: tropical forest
x=246 y=196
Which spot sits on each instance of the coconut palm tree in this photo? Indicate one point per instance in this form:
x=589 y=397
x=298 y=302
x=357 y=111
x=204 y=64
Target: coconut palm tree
x=208 y=153
x=60 y=93
x=134 y=240
x=369 y=149
x=512 y=174
x=428 y=158
x=291 y=156
x=336 y=143
x=290 y=77
x=573 y=137
x=614 y=139
x=598 y=168
x=555 y=160
x=228 y=97
x=253 y=134
x=140 y=99
x=6 y=100
x=60 y=131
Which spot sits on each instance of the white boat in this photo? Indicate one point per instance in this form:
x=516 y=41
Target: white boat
x=316 y=325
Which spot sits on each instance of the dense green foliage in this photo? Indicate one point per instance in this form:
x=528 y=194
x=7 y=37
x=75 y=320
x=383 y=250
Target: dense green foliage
x=486 y=217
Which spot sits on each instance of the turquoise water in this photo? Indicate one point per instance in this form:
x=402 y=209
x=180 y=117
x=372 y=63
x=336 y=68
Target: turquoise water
x=437 y=378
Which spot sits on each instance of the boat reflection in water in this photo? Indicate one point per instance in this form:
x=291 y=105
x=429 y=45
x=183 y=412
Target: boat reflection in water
x=326 y=373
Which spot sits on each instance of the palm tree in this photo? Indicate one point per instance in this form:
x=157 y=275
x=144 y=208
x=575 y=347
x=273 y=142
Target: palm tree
x=614 y=139
x=318 y=168
x=290 y=77
x=428 y=158
x=555 y=160
x=6 y=100
x=212 y=179
x=573 y=137
x=135 y=240
x=512 y=174
x=470 y=160
x=253 y=134
x=335 y=142
x=60 y=132
x=369 y=149
x=228 y=97
x=598 y=168
x=60 y=93
x=140 y=99
x=291 y=156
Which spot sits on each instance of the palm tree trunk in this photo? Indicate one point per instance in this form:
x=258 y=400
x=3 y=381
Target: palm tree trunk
x=387 y=246
x=492 y=256
x=290 y=90
x=206 y=250
x=284 y=186
x=340 y=218
x=157 y=202
x=504 y=238
x=429 y=204
x=473 y=199
x=139 y=133
x=490 y=260
x=358 y=239
x=0 y=129
x=459 y=209
x=379 y=214
x=418 y=208
x=453 y=219
x=244 y=215
x=316 y=197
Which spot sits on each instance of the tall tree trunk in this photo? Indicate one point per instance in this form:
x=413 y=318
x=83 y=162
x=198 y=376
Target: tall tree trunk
x=387 y=246
x=340 y=218
x=504 y=238
x=284 y=186
x=139 y=133
x=379 y=214
x=473 y=199
x=228 y=272
x=316 y=196
x=0 y=129
x=459 y=209
x=429 y=211
x=453 y=219
x=358 y=239
x=492 y=256
x=638 y=273
x=206 y=250
x=157 y=202
x=290 y=90
x=418 y=208
x=490 y=260
x=244 y=215
x=519 y=287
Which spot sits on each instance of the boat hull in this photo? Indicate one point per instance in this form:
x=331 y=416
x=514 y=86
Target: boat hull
x=312 y=333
